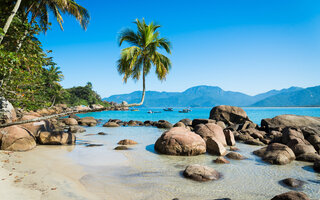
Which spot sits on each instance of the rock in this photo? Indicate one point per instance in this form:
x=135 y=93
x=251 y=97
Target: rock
x=148 y=123
x=292 y=195
x=70 y=121
x=315 y=141
x=56 y=138
x=308 y=157
x=87 y=121
x=256 y=134
x=180 y=141
x=187 y=122
x=233 y=148
x=111 y=124
x=7 y=112
x=214 y=147
x=210 y=130
x=132 y=123
x=229 y=115
x=102 y=133
x=289 y=134
x=179 y=124
x=121 y=148
x=221 y=124
x=163 y=124
x=221 y=160
x=16 y=138
x=195 y=122
x=96 y=106
x=94 y=145
x=282 y=121
x=76 y=129
x=276 y=153
x=229 y=137
x=36 y=127
x=248 y=125
x=291 y=182
x=201 y=173
x=316 y=166
x=253 y=141
x=127 y=142
x=235 y=156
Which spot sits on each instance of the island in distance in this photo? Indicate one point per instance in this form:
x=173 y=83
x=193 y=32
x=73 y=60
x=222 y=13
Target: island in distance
x=207 y=96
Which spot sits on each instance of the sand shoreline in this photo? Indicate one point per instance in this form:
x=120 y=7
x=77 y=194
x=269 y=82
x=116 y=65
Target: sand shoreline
x=33 y=175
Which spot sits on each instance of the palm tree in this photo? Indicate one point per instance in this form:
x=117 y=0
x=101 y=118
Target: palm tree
x=9 y=20
x=142 y=54
x=40 y=11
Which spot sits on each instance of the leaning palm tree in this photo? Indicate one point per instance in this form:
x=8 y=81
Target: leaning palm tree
x=142 y=54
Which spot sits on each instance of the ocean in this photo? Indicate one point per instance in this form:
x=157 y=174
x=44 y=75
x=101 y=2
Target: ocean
x=141 y=173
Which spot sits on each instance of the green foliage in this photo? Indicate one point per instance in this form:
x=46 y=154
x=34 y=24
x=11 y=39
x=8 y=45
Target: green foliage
x=82 y=96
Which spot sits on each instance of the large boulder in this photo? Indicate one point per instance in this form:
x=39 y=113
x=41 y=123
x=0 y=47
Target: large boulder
x=36 y=127
x=201 y=173
x=229 y=137
x=7 y=112
x=214 y=147
x=180 y=141
x=276 y=153
x=229 y=115
x=292 y=195
x=16 y=138
x=111 y=124
x=87 y=121
x=163 y=124
x=70 y=121
x=282 y=121
x=211 y=130
x=56 y=138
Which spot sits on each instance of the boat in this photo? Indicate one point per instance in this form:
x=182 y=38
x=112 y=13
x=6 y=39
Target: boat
x=184 y=111
x=150 y=111
x=134 y=109
x=168 y=109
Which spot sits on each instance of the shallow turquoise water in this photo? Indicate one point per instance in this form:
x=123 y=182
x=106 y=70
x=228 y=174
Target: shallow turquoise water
x=141 y=173
x=255 y=114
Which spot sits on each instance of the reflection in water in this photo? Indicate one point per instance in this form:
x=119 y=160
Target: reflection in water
x=144 y=174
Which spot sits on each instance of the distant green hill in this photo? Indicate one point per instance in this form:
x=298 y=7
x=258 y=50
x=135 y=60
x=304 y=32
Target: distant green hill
x=305 y=97
x=203 y=96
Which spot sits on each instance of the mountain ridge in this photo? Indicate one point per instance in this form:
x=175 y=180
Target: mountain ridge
x=207 y=96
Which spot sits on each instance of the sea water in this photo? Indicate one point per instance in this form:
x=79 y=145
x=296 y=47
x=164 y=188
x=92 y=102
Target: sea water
x=142 y=173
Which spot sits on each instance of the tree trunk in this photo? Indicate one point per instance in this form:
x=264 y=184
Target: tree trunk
x=21 y=40
x=143 y=92
x=8 y=23
x=50 y=116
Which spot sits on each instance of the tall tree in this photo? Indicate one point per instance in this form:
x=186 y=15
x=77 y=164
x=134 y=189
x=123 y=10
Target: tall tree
x=9 y=20
x=143 y=54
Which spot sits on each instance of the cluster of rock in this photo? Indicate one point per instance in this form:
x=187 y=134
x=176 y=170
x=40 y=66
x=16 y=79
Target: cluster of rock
x=117 y=123
x=119 y=107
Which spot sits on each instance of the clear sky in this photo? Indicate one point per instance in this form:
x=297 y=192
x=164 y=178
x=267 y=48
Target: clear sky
x=249 y=46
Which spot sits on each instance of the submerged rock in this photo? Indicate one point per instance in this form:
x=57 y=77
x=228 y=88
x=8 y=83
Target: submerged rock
x=111 y=124
x=235 y=156
x=127 y=142
x=180 y=141
x=201 y=173
x=292 y=195
x=291 y=182
x=121 y=148
x=221 y=160
x=276 y=153
x=15 y=138
x=102 y=133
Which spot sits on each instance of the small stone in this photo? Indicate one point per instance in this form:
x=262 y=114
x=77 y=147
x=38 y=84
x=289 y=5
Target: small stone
x=235 y=156
x=121 y=148
x=102 y=133
x=127 y=142
x=221 y=160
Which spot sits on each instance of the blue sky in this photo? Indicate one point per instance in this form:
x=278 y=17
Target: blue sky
x=249 y=46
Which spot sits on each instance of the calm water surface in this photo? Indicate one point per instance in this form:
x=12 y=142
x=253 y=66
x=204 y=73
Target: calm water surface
x=141 y=173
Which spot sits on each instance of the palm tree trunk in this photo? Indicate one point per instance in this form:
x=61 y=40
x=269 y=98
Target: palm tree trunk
x=9 y=20
x=143 y=92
